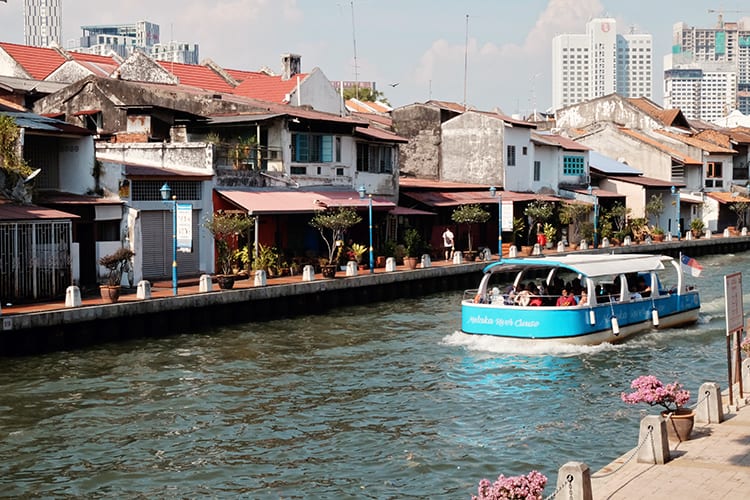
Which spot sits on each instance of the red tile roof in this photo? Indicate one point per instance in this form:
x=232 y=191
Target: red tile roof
x=258 y=202
x=698 y=143
x=195 y=75
x=674 y=153
x=38 y=62
x=12 y=211
x=268 y=88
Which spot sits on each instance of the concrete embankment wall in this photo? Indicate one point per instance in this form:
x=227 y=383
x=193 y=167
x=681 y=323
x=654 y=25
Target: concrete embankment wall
x=42 y=331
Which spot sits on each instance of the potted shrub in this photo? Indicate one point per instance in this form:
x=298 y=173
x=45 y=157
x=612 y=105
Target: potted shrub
x=697 y=227
x=574 y=214
x=740 y=210
x=469 y=215
x=654 y=208
x=539 y=212
x=116 y=263
x=550 y=232
x=226 y=229
x=657 y=233
x=672 y=397
x=413 y=246
x=332 y=224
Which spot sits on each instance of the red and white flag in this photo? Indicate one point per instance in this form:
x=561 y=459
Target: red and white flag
x=690 y=266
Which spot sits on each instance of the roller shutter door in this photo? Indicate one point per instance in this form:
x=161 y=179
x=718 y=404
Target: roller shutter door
x=156 y=229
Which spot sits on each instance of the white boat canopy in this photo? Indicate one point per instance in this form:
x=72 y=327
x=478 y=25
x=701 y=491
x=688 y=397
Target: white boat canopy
x=591 y=265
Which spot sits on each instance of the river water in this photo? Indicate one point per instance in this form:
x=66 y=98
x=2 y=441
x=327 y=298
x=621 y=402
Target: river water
x=384 y=401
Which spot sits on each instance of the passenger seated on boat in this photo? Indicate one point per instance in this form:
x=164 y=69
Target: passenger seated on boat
x=584 y=300
x=495 y=297
x=566 y=299
x=643 y=288
x=634 y=294
x=534 y=298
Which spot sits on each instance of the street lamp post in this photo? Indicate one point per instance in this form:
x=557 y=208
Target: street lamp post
x=596 y=216
x=676 y=195
x=369 y=201
x=493 y=192
x=166 y=196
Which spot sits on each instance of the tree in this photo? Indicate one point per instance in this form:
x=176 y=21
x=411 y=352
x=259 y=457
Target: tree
x=332 y=224
x=225 y=228
x=470 y=214
x=740 y=209
x=574 y=214
x=365 y=94
x=654 y=208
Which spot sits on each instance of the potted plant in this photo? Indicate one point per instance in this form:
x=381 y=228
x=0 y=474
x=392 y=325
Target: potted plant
x=356 y=252
x=550 y=232
x=332 y=224
x=116 y=263
x=654 y=208
x=226 y=229
x=524 y=487
x=697 y=227
x=469 y=215
x=574 y=214
x=657 y=233
x=413 y=246
x=672 y=397
x=539 y=212
x=740 y=210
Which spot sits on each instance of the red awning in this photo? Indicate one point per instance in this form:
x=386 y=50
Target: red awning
x=284 y=202
x=10 y=211
x=409 y=211
x=455 y=198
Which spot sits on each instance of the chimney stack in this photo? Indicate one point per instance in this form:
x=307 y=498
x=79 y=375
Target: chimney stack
x=291 y=64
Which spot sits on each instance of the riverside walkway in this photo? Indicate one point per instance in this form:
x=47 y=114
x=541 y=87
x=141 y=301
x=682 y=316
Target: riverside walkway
x=713 y=464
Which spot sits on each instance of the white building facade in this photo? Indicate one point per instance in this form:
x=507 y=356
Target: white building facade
x=42 y=22
x=600 y=62
x=727 y=42
x=706 y=91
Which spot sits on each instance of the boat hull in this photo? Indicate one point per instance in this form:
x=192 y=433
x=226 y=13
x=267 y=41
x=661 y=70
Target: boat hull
x=579 y=324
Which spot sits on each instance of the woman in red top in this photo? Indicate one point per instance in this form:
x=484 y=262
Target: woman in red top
x=566 y=299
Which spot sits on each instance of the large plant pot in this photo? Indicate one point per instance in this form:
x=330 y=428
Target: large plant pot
x=110 y=294
x=225 y=281
x=328 y=271
x=410 y=262
x=679 y=424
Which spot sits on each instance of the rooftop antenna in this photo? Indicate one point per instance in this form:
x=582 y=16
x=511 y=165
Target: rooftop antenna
x=466 y=61
x=356 y=69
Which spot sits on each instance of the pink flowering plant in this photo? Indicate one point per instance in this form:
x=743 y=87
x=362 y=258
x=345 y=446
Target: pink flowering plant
x=651 y=390
x=528 y=487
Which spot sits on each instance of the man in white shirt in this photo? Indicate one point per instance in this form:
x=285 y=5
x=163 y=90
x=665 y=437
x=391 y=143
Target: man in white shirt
x=448 y=243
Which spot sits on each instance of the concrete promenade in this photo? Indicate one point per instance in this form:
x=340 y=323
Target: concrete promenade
x=713 y=464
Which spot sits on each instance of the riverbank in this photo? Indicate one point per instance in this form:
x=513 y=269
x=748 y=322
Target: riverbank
x=49 y=326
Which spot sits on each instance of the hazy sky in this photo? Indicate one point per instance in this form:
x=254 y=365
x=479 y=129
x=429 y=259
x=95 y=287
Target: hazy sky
x=418 y=44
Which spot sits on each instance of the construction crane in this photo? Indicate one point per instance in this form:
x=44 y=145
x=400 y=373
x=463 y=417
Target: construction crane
x=720 y=23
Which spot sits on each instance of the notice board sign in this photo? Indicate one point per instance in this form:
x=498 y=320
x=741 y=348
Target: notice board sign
x=184 y=227
x=733 y=302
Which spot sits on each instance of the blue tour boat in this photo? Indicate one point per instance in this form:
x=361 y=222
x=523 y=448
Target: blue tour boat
x=623 y=294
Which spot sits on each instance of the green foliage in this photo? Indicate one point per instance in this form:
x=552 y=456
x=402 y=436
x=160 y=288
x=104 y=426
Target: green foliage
x=225 y=228
x=332 y=224
x=268 y=259
x=413 y=243
x=518 y=227
x=470 y=214
x=550 y=231
x=365 y=94
x=655 y=207
x=740 y=209
x=540 y=211
x=115 y=264
x=697 y=226
x=10 y=160
x=575 y=214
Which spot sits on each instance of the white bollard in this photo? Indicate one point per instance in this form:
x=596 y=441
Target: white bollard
x=426 y=261
x=708 y=234
x=458 y=258
x=649 y=241
x=710 y=408
x=72 y=296
x=205 y=284
x=537 y=249
x=689 y=235
x=260 y=278
x=143 y=290
x=352 y=269
x=584 y=245
x=308 y=273
x=726 y=233
x=574 y=481
x=744 y=231
x=390 y=264
x=560 y=246
x=653 y=449
x=605 y=242
x=627 y=241
x=512 y=252
x=668 y=237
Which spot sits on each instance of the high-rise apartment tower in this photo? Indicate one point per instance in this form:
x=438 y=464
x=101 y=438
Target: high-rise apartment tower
x=42 y=22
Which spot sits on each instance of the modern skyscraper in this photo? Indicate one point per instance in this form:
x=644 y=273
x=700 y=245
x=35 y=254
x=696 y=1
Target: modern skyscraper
x=42 y=22
x=600 y=62
x=727 y=42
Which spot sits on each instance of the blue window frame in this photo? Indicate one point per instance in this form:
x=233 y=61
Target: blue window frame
x=574 y=165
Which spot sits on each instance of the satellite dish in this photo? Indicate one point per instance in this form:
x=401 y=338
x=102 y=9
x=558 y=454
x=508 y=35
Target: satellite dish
x=32 y=175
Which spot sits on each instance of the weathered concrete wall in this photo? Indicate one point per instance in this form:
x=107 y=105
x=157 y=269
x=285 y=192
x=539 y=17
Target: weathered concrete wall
x=612 y=108
x=472 y=149
x=419 y=123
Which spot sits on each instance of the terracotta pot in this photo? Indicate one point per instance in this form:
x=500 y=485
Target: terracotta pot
x=110 y=294
x=380 y=261
x=410 y=262
x=679 y=424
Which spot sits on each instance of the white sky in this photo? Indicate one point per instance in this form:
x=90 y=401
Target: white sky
x=419 y=44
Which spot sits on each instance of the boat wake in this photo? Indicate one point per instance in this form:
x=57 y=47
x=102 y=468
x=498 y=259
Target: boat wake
x=500 y=345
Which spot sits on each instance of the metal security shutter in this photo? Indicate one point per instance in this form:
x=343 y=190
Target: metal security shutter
x=156 y=228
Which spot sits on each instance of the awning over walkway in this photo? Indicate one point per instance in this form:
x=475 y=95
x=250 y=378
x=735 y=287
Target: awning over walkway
x=725 y=198
x=264 y=202
x=455 y=198
x=10 y=212
x=409 y=211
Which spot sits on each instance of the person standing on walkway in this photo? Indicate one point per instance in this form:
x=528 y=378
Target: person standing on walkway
x=448 y=243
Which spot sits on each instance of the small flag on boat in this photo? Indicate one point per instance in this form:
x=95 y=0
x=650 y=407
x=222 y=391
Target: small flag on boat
x=691 y=266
